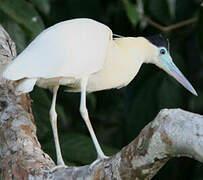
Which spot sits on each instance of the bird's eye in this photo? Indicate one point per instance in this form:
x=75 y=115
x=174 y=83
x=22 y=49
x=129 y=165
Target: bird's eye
x=162 y=51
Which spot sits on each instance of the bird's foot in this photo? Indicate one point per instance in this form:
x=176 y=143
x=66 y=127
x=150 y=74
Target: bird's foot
x=99 y=159
x=57 y=167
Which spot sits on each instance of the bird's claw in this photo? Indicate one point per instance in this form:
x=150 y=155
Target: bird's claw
x=99 y=159
x=57 y=167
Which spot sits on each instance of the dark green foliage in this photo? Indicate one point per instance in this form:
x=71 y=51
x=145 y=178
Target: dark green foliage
x=24 y=14
x=132 y=12
x=117 y=115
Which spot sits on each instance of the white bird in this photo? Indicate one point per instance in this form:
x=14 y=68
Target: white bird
x=82 y=54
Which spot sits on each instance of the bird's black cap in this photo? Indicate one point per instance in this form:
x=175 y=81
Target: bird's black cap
x=158 y=41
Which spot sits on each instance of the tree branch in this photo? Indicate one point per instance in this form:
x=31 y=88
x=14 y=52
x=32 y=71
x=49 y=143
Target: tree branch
x=171 y=27
x=159 y=26
x=173 y=133
x=20 y=152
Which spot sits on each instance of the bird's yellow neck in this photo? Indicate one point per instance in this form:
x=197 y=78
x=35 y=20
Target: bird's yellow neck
x=124 y=59
x=137 y=49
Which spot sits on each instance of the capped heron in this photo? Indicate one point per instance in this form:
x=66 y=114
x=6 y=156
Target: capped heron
x=82 y=54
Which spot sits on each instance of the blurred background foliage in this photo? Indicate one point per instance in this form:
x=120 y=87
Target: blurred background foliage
x=117 y=115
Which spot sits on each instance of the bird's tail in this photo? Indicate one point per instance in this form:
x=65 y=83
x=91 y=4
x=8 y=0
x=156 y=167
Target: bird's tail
x=25 y=86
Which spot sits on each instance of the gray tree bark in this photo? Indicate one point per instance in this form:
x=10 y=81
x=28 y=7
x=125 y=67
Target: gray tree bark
x=173 y=133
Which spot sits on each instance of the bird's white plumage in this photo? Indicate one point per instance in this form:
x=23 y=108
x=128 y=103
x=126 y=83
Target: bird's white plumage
x=25 y=86
x=80 y=53
x=72 y=48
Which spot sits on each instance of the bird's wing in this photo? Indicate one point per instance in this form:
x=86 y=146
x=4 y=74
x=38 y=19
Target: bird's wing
x=72 y=48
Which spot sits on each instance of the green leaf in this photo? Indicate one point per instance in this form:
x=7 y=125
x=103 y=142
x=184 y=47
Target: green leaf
x=169 y=93
x=132 y=12
x=172 y=7
x=196 y=102
x=142 y=106
x=24 y=14
x=15 y=31
x=159 y=10
x=42 y=5
x=200 y=31
x=41 y=106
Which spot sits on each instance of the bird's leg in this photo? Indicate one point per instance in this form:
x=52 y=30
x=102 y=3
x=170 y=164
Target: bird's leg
x=53 y=119
x=85 y=116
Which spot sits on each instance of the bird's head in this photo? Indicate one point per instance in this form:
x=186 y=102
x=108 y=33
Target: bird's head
x=161 y=58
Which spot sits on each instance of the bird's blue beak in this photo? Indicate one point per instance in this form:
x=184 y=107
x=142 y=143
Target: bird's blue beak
x=168 y=66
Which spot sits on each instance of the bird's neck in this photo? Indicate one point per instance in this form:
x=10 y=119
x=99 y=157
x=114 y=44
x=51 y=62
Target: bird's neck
x=136 y=49
x=121 y=65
